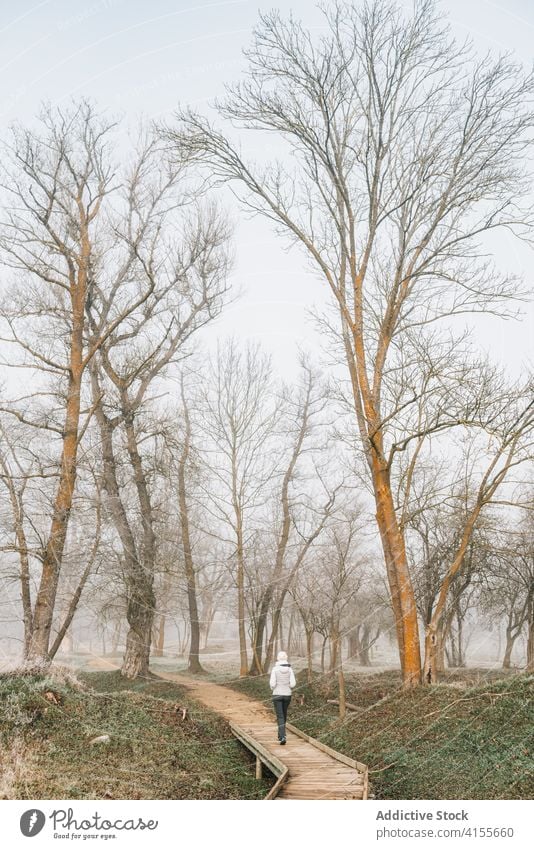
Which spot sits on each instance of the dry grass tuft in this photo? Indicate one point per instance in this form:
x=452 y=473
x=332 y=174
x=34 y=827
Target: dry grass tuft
x=17 y=768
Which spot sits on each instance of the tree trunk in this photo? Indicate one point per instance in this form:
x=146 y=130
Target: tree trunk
x=140 y=618
x=38 y=644
x=43 y=613
x=432 y=660
x=442 y=634
x=309 y=655
x=459 y=638
x=334 y=648
x=290 y=632
x=69 y=642
x=281 y=639
x=342 y=692
x=276 y=629
x=431 y=657
x=243 y=655
x=510 y=640
x=160 y=641
x=513 y=630
x=73 y=604
x=208 y=622
x=530 y=626
x=258 y=636
x=453 y=650
x=192 y=602
x=17 y=507
x=354 y=642
x=271 y=644
x=184 y=640
x=337 y=662
x=142 y=601
x=530 y=646
x=363 y=648
x=116 y=638
x=139 y=574
x=323 y=651
x=400 y=584
x=159 y=630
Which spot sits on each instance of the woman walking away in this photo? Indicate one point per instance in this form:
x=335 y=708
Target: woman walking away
x=282 y=682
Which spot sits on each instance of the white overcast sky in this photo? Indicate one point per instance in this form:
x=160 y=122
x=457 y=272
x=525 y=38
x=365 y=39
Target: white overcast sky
x=141 y=57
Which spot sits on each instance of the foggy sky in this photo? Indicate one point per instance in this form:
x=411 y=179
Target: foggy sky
x=140 y=59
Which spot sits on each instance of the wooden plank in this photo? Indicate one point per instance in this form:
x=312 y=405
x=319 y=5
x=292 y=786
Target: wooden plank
x=278 y=786
x=319 y=796
x=362 y=768
x=262 y=754
x=324 y=748
x=366 y=785
x=275 y=765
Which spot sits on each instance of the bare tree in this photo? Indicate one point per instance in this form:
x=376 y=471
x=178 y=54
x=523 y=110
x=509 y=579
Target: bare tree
x=309 y=530
x=56 y=183
x=16 y=471
x=57 y=180
x=511 y=431
x=237 y=417
x=298 y=524
x=183 y=467
x=190 y=571
x=327 y=589
x=175 y=269
x=408 y=153
x=368 y=615
x=509 y=586
x=343 y=568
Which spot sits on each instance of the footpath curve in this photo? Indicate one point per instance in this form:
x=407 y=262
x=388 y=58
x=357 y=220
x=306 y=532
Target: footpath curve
x=314 y=771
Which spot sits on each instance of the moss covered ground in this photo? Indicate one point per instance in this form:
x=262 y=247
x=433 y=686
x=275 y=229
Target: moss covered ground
x=47 y=723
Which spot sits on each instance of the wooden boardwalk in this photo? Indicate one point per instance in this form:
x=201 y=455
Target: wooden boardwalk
x=315 y=771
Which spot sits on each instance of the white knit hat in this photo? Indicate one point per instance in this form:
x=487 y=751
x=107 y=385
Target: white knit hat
x=281 y=656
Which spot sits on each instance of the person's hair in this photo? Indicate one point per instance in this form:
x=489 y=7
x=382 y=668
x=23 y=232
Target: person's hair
x=281 y=655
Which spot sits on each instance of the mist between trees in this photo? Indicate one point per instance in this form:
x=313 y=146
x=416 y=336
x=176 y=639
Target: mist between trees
x=387 y=492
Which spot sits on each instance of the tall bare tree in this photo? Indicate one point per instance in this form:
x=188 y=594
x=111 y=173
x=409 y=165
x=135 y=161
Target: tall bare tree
x=295 y=534
x=508 y=591
x=408 y=153
x=175 y=268
x=183 y=467
x=58 y=181
x=238 y=418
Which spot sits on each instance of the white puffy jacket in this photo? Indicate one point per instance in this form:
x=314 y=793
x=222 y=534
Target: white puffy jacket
x=282 y=679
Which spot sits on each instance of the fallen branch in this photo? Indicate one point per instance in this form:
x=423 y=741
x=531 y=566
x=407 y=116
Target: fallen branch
x=492 y=696
x=348 y=705
x=374 y=771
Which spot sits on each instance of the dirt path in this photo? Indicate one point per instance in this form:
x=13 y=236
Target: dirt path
x=313 y=774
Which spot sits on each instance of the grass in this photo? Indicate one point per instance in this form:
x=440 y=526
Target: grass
x=48 y=720
x=472 y=738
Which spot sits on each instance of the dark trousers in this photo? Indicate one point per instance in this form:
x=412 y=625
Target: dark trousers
x=281 y=704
